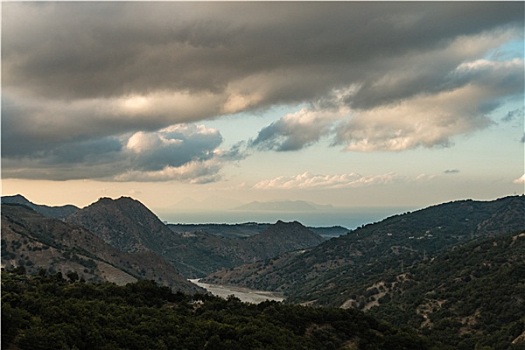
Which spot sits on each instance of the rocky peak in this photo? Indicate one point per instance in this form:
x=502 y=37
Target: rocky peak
x=124 y=223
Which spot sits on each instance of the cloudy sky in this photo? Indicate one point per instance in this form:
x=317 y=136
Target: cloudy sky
x=215 y=104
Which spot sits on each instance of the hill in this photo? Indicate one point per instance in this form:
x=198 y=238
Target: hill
x=129 y=226
x=47 y=312
x=124 y=223
x=328 y=273
x=471 y=296
x=280 y=238
x=60 y=212
x=40 y=244
x=453 y=271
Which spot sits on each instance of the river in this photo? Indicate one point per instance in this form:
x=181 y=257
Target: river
x=244 y=294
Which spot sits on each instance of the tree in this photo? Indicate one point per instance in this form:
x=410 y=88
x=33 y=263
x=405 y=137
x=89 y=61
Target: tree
x=73 y=276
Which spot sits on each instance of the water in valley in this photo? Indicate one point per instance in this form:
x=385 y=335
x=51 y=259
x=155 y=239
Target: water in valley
x=244 y=294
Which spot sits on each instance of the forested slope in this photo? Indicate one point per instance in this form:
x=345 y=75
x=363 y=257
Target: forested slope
x=471 y=296
x=329 y=273
x=47 y=312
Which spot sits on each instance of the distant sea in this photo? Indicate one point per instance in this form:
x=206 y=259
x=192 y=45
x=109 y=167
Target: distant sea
x=350 y=218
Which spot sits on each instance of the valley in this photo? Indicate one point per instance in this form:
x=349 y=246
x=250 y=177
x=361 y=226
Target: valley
x=448 y=272
x=244 y=294
x=262 y=175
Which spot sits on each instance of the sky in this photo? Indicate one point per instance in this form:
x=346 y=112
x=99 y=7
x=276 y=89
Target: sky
x=209 y=105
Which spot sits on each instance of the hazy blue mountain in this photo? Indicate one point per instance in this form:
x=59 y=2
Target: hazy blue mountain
x=287 y=206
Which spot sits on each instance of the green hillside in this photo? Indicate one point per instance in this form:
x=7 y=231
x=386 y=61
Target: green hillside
x=469 y=297
x=330 y=273
x=48 y=312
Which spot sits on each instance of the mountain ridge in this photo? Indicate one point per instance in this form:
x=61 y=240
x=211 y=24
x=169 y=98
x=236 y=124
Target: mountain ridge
x=125 y=223
x=453 y=270
x=324 y=274
x=58 y=212
x=35 y=242
x=128 y=225
x=283 y=237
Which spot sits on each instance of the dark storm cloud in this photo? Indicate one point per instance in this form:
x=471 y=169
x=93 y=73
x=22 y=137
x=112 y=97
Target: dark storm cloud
x=81 y=75
x=81 y=50
x=169 y=150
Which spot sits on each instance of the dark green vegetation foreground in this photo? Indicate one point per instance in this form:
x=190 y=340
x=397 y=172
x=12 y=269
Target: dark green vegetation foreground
x=469 y=297
x=453 y=273
x=48 y=312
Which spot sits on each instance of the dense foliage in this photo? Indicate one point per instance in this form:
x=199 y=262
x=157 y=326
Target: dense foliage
x=471 y=296
x=330 y=274
x=49 y=312
x=455 y=272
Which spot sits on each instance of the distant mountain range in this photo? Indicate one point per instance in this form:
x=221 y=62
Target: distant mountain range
x=453 y=271
x=287 y=206
x=248 y=229
x=130 y=227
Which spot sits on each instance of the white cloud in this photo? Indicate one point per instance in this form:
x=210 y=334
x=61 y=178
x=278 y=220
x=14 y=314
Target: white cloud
x=174 y=137
x=410 y=109
x=297 y=130
x=308 y=180
x=195 y=172
x=173 y=146
x=141 y=142
x=520 y=180
x=183 y=152
x=423 y=121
